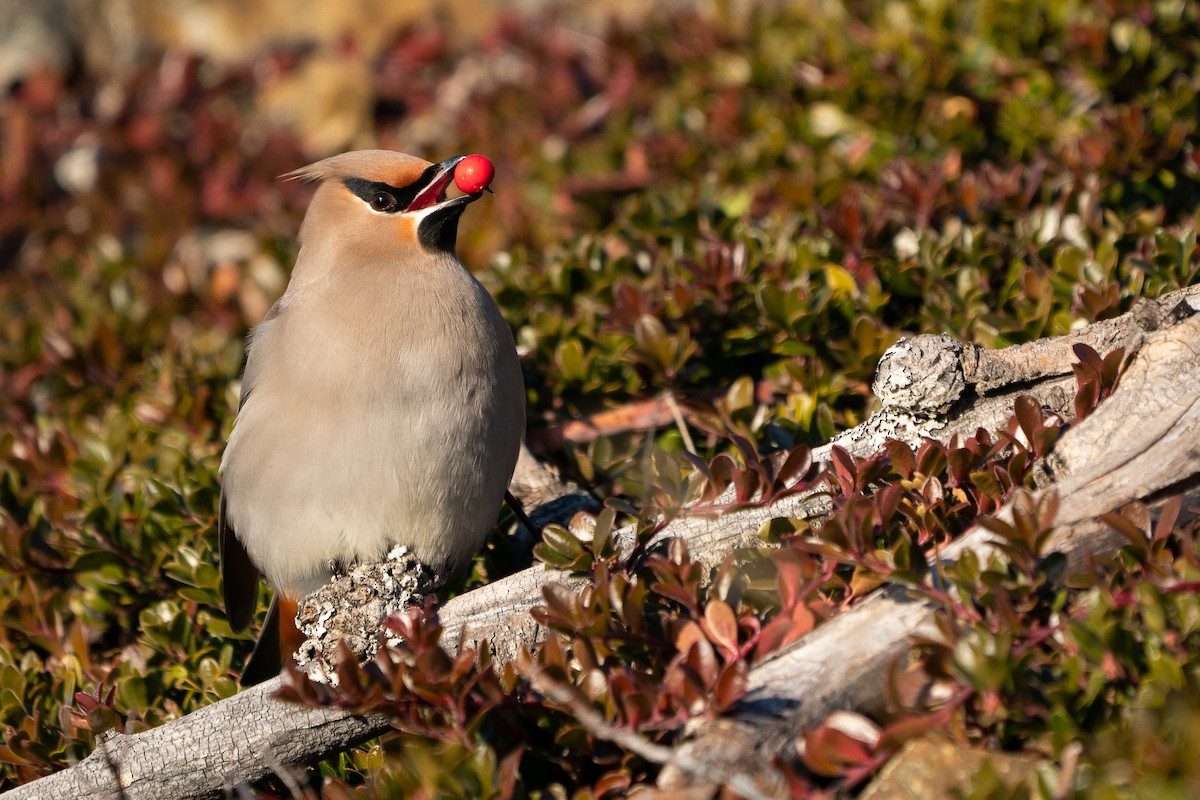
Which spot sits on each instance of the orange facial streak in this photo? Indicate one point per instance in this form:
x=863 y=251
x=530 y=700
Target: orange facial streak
x=406 y=228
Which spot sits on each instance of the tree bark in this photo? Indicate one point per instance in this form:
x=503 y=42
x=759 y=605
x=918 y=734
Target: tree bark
x=1140 y=443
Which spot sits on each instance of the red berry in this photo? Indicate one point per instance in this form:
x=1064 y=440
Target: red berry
x=474 y=173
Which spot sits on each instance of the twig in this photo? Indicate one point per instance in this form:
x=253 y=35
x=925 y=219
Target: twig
x=285 y=774
x=673 y=405
x=518 y=509
x=747 y=784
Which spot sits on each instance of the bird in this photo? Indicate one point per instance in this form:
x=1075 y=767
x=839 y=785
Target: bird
x=382 y=400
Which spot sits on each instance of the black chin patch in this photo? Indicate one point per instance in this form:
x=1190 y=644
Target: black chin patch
x=439 y=231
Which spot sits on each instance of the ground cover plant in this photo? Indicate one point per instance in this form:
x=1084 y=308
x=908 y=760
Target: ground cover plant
x=729 y=211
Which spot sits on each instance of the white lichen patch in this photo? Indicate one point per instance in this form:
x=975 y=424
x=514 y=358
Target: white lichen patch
x=922 y=375
x=352 y=606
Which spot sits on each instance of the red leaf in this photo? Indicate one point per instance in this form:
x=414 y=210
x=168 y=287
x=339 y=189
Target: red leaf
x=698 y=464
x=792 y=570
x=731 y=686
x=843 y=741
x=1111 y=368
x=887 y=501
x=615 y=783
x=1168 y=517
x=959 y=467
x=720 y=625
x=908 y=728
x=746 y=482
x=932 y=491
x=803 y=620
x=1029 y=416
x=635 y=706
x=901 y=457
x=746 y=449
x=843 y=468
x=561 y=603
x=1124 y=526
x=931 y=457
x=722 y=468
x=702 y=660
x=1086 y=355
x=795 y=466
x=1086 y=398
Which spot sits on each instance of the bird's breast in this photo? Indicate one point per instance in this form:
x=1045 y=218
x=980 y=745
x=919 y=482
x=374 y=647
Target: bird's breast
x=404 y=417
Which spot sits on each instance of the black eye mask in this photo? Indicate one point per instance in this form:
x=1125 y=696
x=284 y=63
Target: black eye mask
x=405 y=195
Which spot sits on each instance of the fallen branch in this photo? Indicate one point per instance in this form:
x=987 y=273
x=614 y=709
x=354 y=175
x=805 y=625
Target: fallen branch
x=1141 y=444
x=246 y=737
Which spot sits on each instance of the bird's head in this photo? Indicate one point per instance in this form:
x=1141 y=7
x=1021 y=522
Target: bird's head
x=382 y=201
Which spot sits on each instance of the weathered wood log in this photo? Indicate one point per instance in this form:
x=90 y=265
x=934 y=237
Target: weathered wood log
x=1143 y=443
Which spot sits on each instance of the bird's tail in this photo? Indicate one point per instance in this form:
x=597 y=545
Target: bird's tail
x=279 y=636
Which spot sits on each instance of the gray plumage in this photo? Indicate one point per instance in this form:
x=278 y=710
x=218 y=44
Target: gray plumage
x=382 y=401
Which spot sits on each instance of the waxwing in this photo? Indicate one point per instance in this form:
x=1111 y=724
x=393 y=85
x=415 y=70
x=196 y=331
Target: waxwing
x=382 y=401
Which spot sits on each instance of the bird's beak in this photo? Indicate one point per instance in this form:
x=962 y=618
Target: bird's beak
x=433 y=195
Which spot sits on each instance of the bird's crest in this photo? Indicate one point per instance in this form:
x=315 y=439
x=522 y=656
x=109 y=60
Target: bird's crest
x=384 y=166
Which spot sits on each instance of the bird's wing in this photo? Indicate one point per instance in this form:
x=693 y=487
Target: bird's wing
x=239 y=576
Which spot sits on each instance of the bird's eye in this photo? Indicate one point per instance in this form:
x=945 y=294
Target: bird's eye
x=382 y=201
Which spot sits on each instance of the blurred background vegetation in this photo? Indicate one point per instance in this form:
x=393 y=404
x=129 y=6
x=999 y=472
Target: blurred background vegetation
x=708 y=218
